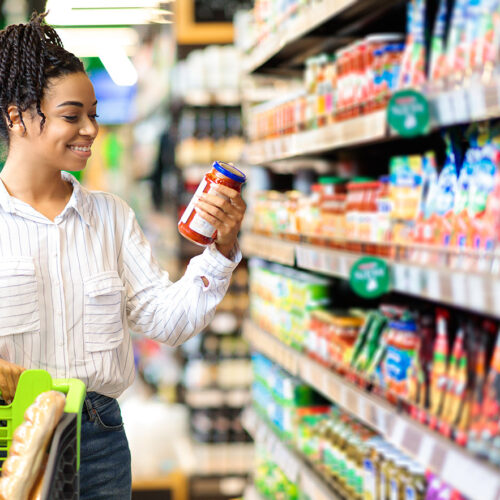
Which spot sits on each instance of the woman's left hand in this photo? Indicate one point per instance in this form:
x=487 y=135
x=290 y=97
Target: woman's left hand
x=225 y=212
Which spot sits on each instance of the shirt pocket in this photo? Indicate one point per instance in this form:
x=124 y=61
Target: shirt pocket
x=103 y=326
x=19 y=306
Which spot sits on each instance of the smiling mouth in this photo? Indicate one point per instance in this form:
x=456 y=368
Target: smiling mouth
x=82 y=149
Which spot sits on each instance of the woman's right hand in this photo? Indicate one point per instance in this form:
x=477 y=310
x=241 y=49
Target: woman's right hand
x=9 y=377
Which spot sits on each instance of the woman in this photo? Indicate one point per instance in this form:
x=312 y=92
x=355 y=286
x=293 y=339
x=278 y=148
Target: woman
x=75 y=269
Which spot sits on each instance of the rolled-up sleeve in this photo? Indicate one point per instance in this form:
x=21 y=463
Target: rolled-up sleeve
x=161 y=309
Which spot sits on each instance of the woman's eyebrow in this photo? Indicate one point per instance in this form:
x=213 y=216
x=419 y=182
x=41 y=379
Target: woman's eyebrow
x=73 y=103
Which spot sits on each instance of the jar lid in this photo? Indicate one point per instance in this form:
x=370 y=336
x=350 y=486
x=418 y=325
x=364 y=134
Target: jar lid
x=229 y=171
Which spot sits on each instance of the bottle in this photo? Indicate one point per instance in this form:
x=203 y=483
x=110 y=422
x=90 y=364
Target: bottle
x=191 y=225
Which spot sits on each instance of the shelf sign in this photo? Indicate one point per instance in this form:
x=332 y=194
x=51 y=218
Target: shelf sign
x=369 y=277
x=408 y=113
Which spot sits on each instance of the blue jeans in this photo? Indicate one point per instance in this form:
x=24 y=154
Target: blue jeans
x=105 y=472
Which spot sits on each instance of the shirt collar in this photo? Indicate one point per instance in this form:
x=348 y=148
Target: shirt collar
x=79 y=200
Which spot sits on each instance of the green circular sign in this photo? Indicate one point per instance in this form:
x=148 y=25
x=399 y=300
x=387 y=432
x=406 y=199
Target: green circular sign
x=408 y=113
x=370 y=277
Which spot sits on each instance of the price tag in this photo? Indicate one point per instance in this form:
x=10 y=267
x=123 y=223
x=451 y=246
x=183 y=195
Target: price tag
x=477 y=298
x=400 y=277
x=438 y=457
x=458 y=289
x=351 y=401
x=444 y=109
x=375 y=416
x=343 y=267
x=433 y=284
x=333 y=389
x=496 y=295
x=477 y=101
x=398 y=431
x=460 y=106
x=415 y=280
x=412 y=440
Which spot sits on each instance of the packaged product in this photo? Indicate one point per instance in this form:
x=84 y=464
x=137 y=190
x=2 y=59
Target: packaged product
x=489 y=428
x=437 y=66
x=456 y=385
x=474 y=437
x=402 y=343
x=371 y=343
x=439 y=369
x=445 y=199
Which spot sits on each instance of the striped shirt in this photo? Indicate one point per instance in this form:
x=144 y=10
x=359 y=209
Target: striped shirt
x=72 y=289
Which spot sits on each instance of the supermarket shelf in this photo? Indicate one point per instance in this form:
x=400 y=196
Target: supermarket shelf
x=306 y=30
x=453 y=464
x=473 y=103
x=479 y=292
x=364 y=129
x=294 y=467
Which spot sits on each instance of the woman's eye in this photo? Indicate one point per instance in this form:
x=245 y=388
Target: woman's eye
x=94 y=116
x=71 y=118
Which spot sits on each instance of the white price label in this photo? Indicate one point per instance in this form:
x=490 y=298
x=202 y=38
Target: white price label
x=496 y=295
x=458 y=288
x=445 y=109
x=460 y=106
x=343 y=267
x=477 y=297
x=333 y=389
x=477 y=101
x=433 y=284
x=415 y=280
x=400 y=277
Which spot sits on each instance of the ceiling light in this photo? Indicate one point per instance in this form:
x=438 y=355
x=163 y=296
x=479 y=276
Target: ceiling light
x=118 y=65
x=64 y=13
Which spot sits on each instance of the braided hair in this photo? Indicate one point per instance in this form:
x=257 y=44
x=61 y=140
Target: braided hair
x=30 y=55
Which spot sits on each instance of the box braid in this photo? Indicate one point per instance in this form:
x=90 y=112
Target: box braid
x=30 y=55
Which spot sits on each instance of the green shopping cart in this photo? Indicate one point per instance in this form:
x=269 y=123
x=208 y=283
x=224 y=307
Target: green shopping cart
x=61 y=479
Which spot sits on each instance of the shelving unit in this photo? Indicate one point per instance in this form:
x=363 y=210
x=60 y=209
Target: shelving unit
x=465 y=280
x=304 y=31
x=289 y=461
x=452 y=463
x=365 y=129
x=478 y=102
x=476 y=291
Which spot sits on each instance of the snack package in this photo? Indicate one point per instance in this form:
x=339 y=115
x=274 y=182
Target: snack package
x=438 y=375
x=437 y=66
x=445 y=200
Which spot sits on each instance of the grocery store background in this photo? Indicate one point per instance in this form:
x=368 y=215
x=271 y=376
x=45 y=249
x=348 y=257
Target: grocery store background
x=356 y=354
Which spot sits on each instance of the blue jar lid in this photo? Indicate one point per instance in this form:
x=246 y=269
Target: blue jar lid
x=229 y=171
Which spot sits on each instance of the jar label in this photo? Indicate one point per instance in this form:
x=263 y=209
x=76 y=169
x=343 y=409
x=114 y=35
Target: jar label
x=201 y=226
x=190 y=207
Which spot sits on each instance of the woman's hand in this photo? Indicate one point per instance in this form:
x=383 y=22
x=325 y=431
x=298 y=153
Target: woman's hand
x=9 y=377
x=225 y=212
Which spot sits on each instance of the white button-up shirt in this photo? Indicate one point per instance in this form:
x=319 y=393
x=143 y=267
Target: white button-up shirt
x=70 y=289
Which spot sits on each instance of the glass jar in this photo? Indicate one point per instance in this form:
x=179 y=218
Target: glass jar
x=191 y=225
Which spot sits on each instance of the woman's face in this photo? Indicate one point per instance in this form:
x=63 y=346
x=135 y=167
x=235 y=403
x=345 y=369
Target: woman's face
x=69 y=105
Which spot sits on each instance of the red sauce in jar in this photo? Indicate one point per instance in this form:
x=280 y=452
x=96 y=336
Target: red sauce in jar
x=192 y=226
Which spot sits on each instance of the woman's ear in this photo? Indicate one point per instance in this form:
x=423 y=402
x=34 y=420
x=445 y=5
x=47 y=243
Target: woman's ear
x=16 y=126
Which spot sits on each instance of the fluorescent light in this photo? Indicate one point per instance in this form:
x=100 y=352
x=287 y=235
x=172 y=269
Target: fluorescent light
x=63 y=13
x=117 y=4
x=118 y=65
x=87 y=42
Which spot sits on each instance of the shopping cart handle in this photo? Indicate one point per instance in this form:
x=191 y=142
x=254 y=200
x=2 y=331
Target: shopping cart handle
x=75 y=393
